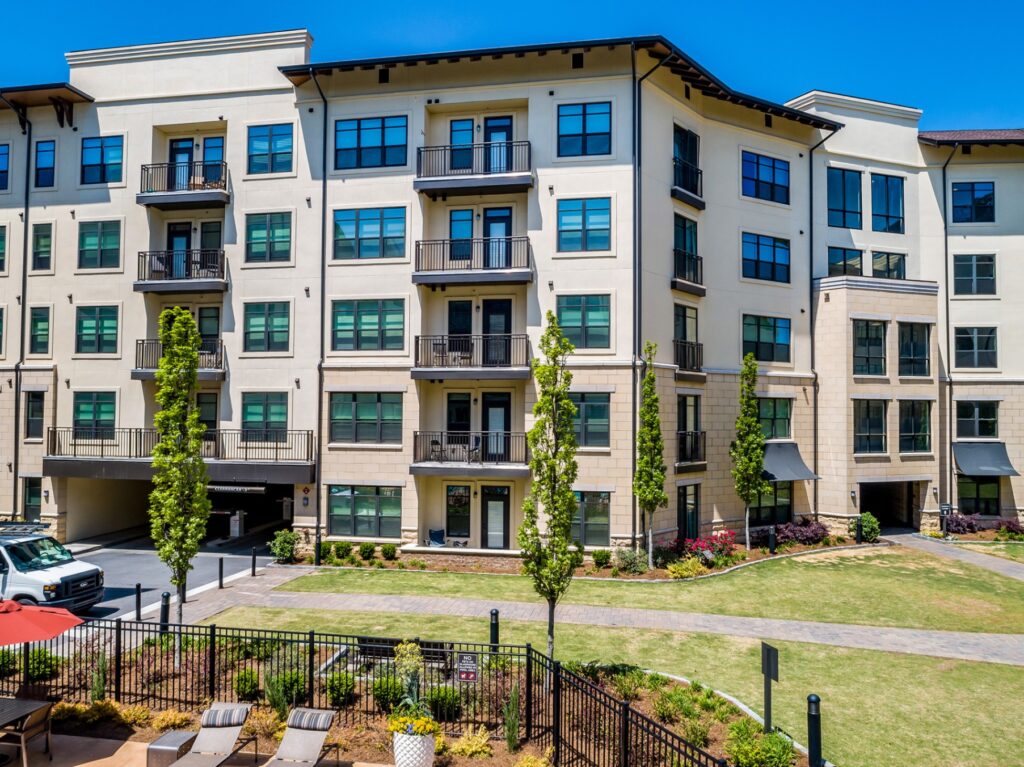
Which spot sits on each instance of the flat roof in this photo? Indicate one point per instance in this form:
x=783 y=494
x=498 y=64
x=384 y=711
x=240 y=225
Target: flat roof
x=983 y=137
x=41 y=95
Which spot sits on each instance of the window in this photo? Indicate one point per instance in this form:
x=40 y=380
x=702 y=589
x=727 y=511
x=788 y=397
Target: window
x=844 y=261
x=3 y=248
x=844 y=204
x=765 y=178
x=33 y=499
x=890 y=266
x=685 y=235
x=42 y=247
x=101 y=160
x=687 y=412
x=457 y=511
x=99 y=244
x=974 y=275
x=34 y=414
x=1 y=329
x=684 y=323
x=869 y=425
x=267 y=327
x=268 y=237
x=688 y=511
x=975 y=347
x=974 y=202
x=868 y=348
x=978 y=495
x=774 y=413
x=915 y=426
x=767 y=338
x=368 y=325
x=39 y=330
x=977 y=418
x=371 y=142
x=366 y=417
x=686 y=160
x=584 y=225
x=915 y=357
x=93 y=415
x=886 y=203
x=270 y=149
x=369 y=233
x=590 y=525
x=774 y=507
x=367 y=511
x=264 y=416
x=584 y=129
x=591 y=422
x=5 y=165
x=586 y=320
x=96 y=330
x=765 y=258
x=206 y=404
x=46 y=155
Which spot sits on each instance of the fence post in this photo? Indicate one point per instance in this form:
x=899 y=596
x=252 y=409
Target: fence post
x=624 y=734
x=24 y=663
x=138 y=601
x=860 y=530
x=556 y=714
x=814 y=731
x=495 y=631
x=529 y=692
x=212 y=666
x=312 y=666
x=117 y=661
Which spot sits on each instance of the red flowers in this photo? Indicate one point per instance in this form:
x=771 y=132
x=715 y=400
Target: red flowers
x=720 y=544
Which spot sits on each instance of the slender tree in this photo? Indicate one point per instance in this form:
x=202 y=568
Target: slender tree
x=178 y=505
x=649 y=480
x=747 y=451
x=551 y=556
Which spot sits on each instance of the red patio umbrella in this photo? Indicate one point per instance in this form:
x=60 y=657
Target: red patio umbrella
x=31 y=623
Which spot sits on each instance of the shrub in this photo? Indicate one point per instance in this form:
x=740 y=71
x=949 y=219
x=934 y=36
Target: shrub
x=748 y=746
x=631 y=561
x=342 y=549
x=528 y=760
x=8 y=662
x=387 y=693
x=366 y=551
x=102 y=710
x=69 y=712
x=285 y=690
x=444 y=703
x=474 y=744
x=628 y=684
x=247 y=685
x=1010 y=530
x=42 y=664
x=806 y=532
x=664 y=708
x=136 y=716
x=510 y=720
x=418 y=564
x=870 y=529
x=98 y=679
x=690 y=567
x=957 y=524
x=282 y=547
x=172 y=720
x=258 y=649
x=264 y=724
x=326 y=551
x=655 y=682
x=389 y=551
x=602 y=558
x=665 y=556
x=697 y=733
x=341 y=689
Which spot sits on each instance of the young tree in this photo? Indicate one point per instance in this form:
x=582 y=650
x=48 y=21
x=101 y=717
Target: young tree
x=747 y=451
x=649 y=480
x=550 y=557
x=178 y=506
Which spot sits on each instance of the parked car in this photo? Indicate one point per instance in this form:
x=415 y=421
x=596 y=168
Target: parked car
x=36 y=569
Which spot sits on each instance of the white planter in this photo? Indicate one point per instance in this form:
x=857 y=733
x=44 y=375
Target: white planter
x=413 y=750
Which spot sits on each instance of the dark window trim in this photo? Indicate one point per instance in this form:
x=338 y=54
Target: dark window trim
x=970 y=358
x=775 y=325
x=585 y=135
x=976 y=504
x=271 y=255
x=382 y=339
x=894 y=262
x=272 y=157
x=886 y=220
x=585 y=328
x=776 y=270
x=850 y=261
x=850 y=217
x=106 y=169
x=767 y=189
x=382 y=241
x=93 y=343
x=771 y=420
x=352 y=435
x=776 y=513
x=969 y=214
x=918 y=438
x=969 y=426
x=869 y=351
x=359 y=149
x=585 y=402
x=391 y=493
x=256 y=341
x=911 y=359
x=872 y=439
x=586 y=233
x=581 y=527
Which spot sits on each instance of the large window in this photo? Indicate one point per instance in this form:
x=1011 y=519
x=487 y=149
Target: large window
x=270 y=149
x=765 y=178
x=591 y=422
x=370 y=142
x=39 y=330
x=775 y=415
x=974 y=202
x=684 y=235
x=767 y=338
x=364 y=510
x=3 y=248
x=688 y=511
x=687 y=412
x=868 y=348
x=584 y=225
x=845 y=261
x=975 y=347
x=46 y=156
x=34 y=401
x=42 y=247
x=915 y=354
x=978 y=495
x=584 y=129
x=93 y=414
x=268 y=237
x=586 y=320
x=844 y=203
x=96 y=330
x=264 y=416
x=887 y=203
x=5 y=166
x=369 y=233
x=915 y=426
x=765 y=258
x=366 y=417
x=890 y=266
x=33 y=503
x=869 y=425
x=977 y=418
x=974 y=275
x=267 y=327
x=591 y=523
x=774 y=507
x=686 y=159
x=99 y=244
x=457 y=511
x=101 y=160
x=368 y=325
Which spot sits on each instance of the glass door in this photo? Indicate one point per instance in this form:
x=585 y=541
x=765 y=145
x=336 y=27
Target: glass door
x=208 y=320
x=461 y=139
x=495 y=507
x=497 y=231
x=496 y=415
x=179 y=155
x=460 y=332
x=179 y=243
x=455 y=444
x=213 y=161
x=688 y=512
x=498 y=140
x=208 y=264
x=460 y=234
x=497 y=329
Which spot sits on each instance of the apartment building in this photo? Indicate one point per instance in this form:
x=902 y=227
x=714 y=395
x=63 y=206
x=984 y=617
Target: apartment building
x=370 y=248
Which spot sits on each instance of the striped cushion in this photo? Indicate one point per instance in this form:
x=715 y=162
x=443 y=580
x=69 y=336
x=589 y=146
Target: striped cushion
x=310 y=719
x=225 y=717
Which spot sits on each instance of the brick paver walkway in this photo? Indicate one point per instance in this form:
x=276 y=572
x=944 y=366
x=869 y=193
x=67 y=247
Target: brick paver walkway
x=1006 y=567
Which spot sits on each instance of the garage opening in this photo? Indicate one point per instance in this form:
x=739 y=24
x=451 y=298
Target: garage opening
x=243 y=509
x=892 y=503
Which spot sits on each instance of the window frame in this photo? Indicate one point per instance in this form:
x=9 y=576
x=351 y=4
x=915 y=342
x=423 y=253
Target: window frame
x=850 y=263
x=35 y=414
x=100 y=251
x=32 y=333
x=96 y=427
x=385 y=306
x=3 y=248
x=93 y=343
x=462 y=511
x=909 y=439
x=586 y=232
x=844 y=212
x=873 y=439
x=5 y=167
x=889 y=257
x=774 y=324
x=975 y=420
x=773 y=419
x=585 y=328
x=352 y=435
x=973 y=281
x=52 y=167
x=777 y=192
x=580 y=527
x=270 y=243
x=758 y=243
x=37 y=228
x=887 y=221
x=104 y=166
x=265 y=431
x=269 y=310
x=392 y=493
x=758 y=517
x=396 y=250
x=973 y=207
x=270 y=154
x=585 y=403
x=866 y=348
x=908 y=364
x=358 y=149
x=980 y=505
x=584 y=136
x=972 y=332
x=32 y=492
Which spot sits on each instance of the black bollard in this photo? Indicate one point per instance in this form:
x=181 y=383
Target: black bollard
x=495 y=634
x=138 y=601
x=165 y=611
x=814 y=731
x=220 y=573
x=771 y=540
x=253 y=561
x=860 y=530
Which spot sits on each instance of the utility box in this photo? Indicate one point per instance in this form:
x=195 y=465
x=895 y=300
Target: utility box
x=169 y=748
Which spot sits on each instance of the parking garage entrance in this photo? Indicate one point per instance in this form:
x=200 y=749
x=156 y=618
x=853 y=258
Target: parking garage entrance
x=243 y=509
x=892 y=503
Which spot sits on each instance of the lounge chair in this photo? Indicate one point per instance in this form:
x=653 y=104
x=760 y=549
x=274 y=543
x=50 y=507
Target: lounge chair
x=218 y=740
x=32 y=726
x=303 y=741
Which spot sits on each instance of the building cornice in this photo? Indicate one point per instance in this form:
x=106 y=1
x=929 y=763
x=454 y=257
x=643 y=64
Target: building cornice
x=236 y=43
x=877 y=284
x=826 y=100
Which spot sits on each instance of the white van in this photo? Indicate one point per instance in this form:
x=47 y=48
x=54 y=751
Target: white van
x=35 y=569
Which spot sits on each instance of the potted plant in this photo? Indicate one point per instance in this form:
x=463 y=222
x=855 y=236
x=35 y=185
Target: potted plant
x=414 y=731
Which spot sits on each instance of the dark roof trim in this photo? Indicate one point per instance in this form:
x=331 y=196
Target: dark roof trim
x=676 y=61
x=997 y=137
x=41 y=95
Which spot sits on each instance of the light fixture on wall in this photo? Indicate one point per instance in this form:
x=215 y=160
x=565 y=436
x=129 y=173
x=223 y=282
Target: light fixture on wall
x=46 y=496
x=935 y=493
x=298 y=383
x=67 y=383
x=853 y=496
x=71 y=298
x=307 y=291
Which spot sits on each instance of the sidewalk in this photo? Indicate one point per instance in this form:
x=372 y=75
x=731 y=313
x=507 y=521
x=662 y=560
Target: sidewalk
x=998 y=565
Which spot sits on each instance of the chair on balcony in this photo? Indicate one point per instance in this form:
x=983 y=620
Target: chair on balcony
x=435 y=538
x=436 y=451
x=474 y=449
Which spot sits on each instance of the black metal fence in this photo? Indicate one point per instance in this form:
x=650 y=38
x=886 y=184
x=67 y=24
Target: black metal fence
x=184 y=176
x=473 y=159
x=481 y=254
x=688 y=266
x=478 y=447
x=149 y=351
x=688 y=177
x=195 y=264
x=271 y=445
x=499 y=350
x=689 y=355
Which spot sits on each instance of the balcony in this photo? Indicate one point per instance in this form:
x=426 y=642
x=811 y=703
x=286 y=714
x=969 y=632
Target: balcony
x=496 y=167
x=690 y=451
x=689 y=361
x=490 y=357
x=231 y=455
x=149 y=351
x=688 y=183
x=487 y=261
x=688 y=276
x=183 y=185
x=492 y=454
x=181 y=271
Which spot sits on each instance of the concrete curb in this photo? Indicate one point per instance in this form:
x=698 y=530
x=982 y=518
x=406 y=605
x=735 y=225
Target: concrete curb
x=950 y=542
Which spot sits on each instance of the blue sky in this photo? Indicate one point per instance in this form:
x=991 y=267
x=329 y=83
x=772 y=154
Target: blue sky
x=964 y=68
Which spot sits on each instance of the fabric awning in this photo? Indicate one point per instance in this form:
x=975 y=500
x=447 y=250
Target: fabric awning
x=983 y=459
x=783 y=462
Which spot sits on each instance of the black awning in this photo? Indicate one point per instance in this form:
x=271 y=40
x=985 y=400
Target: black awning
x=783 y=462
x=983 y=459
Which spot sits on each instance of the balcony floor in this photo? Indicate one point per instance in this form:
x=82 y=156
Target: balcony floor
x=471 y=373
x=484 y=183
x=87 y=467
x=204 y=374
x=181 y=286
x=185 y=199
x=459 y=469
x=474 y=277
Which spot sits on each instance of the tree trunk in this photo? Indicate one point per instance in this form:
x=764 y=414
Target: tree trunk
x=746 y=525
x=177 y=634
x=650 y=546
x=551 y=628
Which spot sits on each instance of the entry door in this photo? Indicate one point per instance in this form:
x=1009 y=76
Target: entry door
x=460 y=332
x=497 y=329
x=179 y=172
x=496 y=416
x=495 y=508
x=461 y=139
x=179 y=243
x=206 y=404
x=457 y=425
x=498 y=137
x=213 y=159
x=208 y=320
x=688 y=512
x=497 y=231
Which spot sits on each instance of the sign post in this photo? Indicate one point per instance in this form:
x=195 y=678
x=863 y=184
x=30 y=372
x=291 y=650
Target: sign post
x=770 y=670
x=467 y=664
x=945 y=509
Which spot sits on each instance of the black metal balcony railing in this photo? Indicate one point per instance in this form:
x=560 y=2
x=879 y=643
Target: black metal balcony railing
x=217 y=444
x=184 y=177
x=689 y=355
x=473 y=159
x=205 y=264
x=688 y=177
x=149 y=351
x=473 y=255
x=490 y=351
x=690 y=446
x=689 y=266
x=478 y=447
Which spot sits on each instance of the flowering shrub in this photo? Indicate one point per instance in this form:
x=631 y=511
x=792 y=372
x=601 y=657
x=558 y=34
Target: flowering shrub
x=960 y=523
x=805 y=532
x=414 y=725
x=1010 y=530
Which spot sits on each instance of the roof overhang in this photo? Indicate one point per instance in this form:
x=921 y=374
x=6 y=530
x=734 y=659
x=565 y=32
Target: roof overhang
x=783 y=463
x=983 y=459
x=954 y=138
x=61 y=96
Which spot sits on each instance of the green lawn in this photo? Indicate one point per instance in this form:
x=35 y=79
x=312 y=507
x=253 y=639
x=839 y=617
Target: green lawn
x=1013 y=551
x=877 y=708
x=887 y=587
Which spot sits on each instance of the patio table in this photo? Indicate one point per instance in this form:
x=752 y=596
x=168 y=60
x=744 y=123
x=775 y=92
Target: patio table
x=13 y=710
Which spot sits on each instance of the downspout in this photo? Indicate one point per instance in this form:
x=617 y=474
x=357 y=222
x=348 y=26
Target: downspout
x=320 y=500
x=949 y=349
